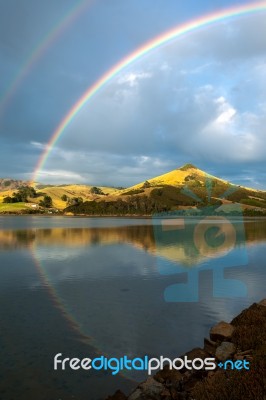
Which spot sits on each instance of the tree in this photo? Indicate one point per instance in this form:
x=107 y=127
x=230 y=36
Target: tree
x=46 y=202
x=96 y=190
x=8 y=199
x=74 y=201
x=64 y=197
x=146 y=184
x=7 y=183
x=17 y=197
x=22 y=194
x=26 y=191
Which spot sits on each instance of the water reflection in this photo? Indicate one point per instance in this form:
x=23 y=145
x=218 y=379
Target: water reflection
x=106 y=281
x=188 y=248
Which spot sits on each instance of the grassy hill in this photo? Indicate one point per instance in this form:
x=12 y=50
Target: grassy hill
x=55 y=192
x=182 y=188
x=72 y=191
x=178 y=177
x=190 y=185
x=7 y=184
x=185 y=187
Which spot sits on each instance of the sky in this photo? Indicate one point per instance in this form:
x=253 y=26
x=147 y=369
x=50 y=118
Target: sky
x=198 y=99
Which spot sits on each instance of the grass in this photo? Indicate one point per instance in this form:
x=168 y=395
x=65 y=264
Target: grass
x=254 y=202
x=55 y=192
x=6 y=193
x=13 y=207
x=83 y=191
x=179 y=177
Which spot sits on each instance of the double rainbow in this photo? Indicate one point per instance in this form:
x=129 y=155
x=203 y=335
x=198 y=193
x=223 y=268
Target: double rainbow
x=38 y=52
x=158 y=41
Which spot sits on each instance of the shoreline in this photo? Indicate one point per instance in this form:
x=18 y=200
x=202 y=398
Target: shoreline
x=134 y=216
x=243 y=341
x=74 y=216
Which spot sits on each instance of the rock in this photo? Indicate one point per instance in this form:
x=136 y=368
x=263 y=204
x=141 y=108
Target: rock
x=165 y=394
x=245 y=352
x=168 y=376
x=187 y=375
x=136 y=395
x=117 y=396
x=262 y=302
x=221 y=331
x=211 y=374
x=183 y=384
x=190 y=383
x=150 y=389
x=210 y=346
x=225 y=351
x=238 y=357
x=196 y=353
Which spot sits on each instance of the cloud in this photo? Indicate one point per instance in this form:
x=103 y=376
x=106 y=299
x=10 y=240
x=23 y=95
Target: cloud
x=133 y=78
x=226 y=112
x=40 y=146
x=162 y=115
x=200 y=99
x=54 y=176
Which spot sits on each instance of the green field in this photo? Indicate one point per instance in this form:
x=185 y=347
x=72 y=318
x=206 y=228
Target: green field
x=12 y=207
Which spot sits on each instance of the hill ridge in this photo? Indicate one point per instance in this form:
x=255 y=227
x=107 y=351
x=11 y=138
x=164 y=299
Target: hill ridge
x=177 y=177
x=183 y=187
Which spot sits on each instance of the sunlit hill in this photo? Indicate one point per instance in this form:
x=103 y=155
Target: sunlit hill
x=186 y=187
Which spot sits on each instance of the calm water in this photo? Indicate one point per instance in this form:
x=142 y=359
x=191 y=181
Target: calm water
x=88 y=286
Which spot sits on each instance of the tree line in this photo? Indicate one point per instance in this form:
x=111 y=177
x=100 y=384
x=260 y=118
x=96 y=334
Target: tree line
x=25 y=193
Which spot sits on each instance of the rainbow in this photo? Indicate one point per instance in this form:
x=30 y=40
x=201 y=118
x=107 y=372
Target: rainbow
x=72 y=322
x=180 y=30
x=40 y=50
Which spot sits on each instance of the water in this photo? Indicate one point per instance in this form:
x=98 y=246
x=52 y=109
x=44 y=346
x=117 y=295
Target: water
x=90 y=286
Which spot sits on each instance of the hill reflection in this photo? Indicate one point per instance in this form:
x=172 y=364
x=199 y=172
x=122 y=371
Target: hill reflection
x=174 y=247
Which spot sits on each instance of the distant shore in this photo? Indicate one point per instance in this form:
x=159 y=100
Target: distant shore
x=133 y=216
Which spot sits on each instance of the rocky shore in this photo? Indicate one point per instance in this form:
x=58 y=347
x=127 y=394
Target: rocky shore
x=243 y=339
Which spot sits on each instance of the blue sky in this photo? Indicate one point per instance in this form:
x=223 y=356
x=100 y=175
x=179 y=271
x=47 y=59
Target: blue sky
x=199 y=99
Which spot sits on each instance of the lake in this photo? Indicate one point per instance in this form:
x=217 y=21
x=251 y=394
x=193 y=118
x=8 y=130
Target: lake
x=86 y=287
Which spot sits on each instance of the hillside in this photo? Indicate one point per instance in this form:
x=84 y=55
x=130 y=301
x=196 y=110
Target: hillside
x=181 y=188
x=69 y=192
x=184 y=187
x=73 y=191
x=177 y=177
x=7 y=184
